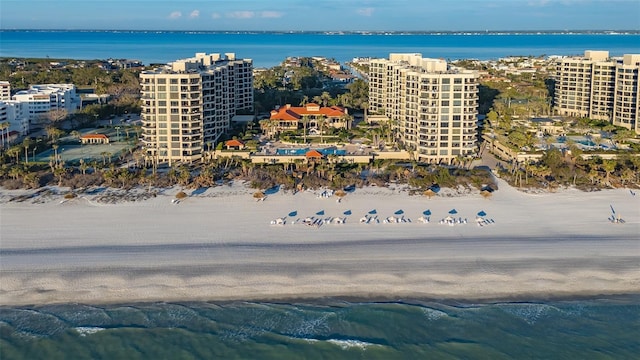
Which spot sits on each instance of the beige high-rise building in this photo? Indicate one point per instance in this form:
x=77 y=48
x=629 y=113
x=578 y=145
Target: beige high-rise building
x=626 y=105
x=599 y=87
x=5 y=91
x=432 y=107
x=188 y=104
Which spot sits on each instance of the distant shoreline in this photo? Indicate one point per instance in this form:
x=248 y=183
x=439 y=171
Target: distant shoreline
x=354 y=32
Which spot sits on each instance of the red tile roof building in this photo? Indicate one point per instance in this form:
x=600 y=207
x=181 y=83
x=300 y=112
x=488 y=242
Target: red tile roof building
x=291 y=117
x=94 y=139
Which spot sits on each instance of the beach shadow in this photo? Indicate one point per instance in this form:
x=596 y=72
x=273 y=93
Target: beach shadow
x=272 y=190
x=95 y=191
x=199 y=191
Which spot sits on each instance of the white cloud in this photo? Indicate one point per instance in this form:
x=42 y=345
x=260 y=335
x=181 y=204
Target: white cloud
x=175 y=15
x=365 y=11
x=271 y=14
x=194 y=14
x=215 y=16
x=241 y=14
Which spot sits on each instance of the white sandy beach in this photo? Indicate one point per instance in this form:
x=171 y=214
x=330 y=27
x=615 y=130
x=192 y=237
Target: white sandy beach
x=220 y=245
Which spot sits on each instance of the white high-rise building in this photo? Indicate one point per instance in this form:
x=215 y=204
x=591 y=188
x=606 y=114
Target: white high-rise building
x=188 y=104
x=12 y=112
x=39 y=100
x=432 y=107
x=599 y=87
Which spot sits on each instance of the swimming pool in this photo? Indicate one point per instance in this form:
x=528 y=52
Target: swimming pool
x=302 y=151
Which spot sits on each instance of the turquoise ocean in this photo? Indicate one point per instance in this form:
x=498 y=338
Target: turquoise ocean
x=577 y=329
x=594 y=328
x=269 y=49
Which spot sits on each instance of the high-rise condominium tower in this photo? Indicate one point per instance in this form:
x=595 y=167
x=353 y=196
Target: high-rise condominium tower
x=188 y=104
x=599 y=87
x=432 y=107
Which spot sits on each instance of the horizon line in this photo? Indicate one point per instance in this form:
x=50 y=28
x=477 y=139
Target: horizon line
x=332 y=31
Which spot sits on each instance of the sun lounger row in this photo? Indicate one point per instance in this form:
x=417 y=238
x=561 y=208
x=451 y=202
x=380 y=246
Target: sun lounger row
x=484 y=221
x=452 y=221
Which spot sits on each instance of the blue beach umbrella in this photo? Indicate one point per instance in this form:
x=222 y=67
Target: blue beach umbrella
x=399 y=212
x=372 y=212
x=453 y=211
x=426 y=212
x=482 y=213
x=293 y=213
x=348 y=212
x=321 y=212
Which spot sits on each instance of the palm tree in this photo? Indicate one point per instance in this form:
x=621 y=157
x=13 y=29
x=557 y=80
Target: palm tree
x=55 y=152
x=104 y=155
x=305 y=120
x=304 y=101
x=59 y=172
x=323 y=122
x=16 y=172
x=32 y=180
x=609 y=166
x=25 y=144
x=325 y=98
x=83 y=166
x=14 y=151
x=4 y=133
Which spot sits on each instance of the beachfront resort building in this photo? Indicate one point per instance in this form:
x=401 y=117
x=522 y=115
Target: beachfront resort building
x=188 y=104
x=433 y=108
x=312 y=117
x=599 y=87
x=39 y=100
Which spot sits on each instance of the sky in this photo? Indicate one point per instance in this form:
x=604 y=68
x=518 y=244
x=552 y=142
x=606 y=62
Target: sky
x=321 y=15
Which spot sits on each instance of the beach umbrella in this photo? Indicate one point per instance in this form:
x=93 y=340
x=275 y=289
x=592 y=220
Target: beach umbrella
x=426 y=212
x=321 y=212
x=293 y=213
x=399 y=212
x=373 y=212
x=453 y=211
x=482 y=213
x=348 y=212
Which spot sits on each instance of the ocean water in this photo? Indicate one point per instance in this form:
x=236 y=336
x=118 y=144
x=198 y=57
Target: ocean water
x=269 y=49
x=580 y=329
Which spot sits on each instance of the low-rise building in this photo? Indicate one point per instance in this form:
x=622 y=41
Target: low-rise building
x=94 y=139
x=39 y=100
x=316 y=117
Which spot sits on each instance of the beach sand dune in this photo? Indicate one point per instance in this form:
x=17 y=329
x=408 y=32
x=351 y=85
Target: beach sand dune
x=220 y=245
